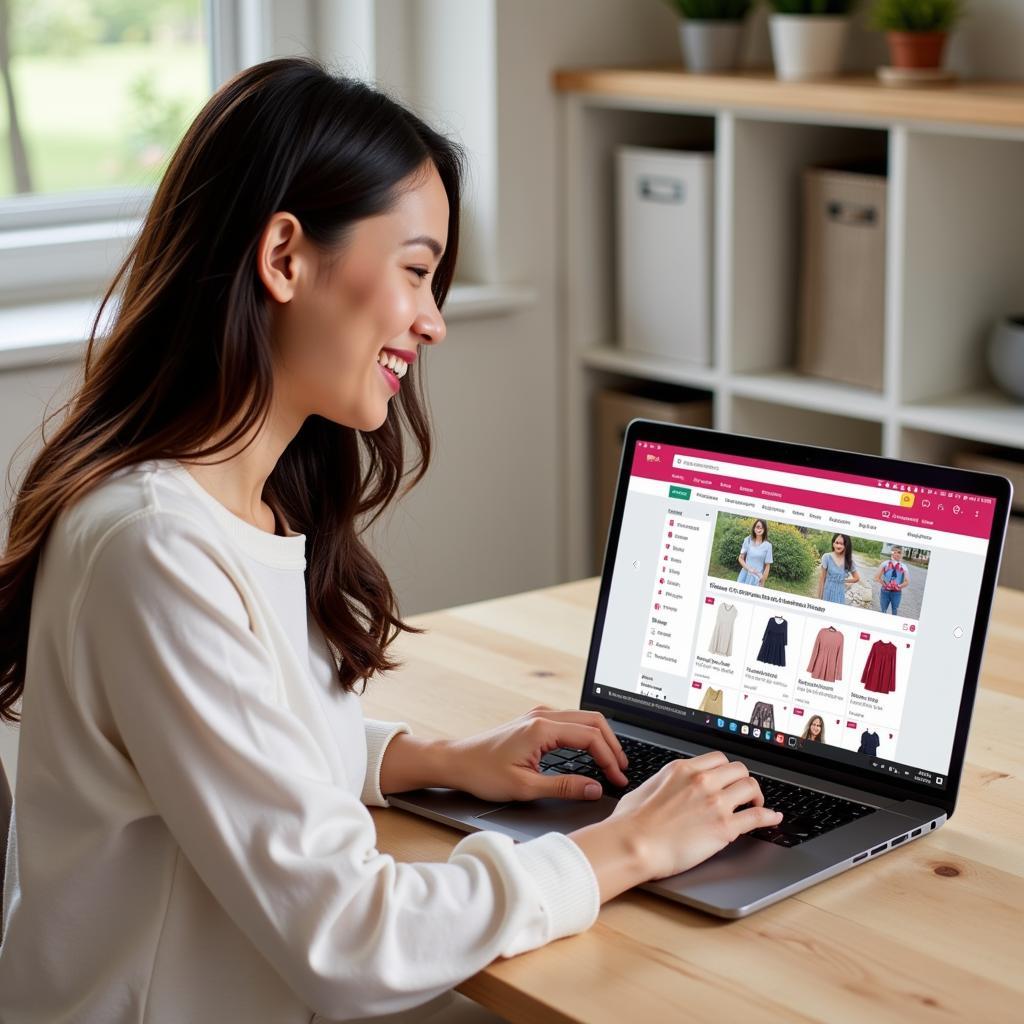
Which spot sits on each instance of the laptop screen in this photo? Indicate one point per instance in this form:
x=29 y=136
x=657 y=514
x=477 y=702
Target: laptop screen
x=813 y=610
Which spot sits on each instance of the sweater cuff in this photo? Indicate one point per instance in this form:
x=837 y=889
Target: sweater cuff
x=378 y=735
x=566 y=880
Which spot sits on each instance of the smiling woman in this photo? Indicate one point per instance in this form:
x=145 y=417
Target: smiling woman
x=186 y=607
x=194 y=764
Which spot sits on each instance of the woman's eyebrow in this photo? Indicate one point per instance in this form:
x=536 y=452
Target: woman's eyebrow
x=431 y=243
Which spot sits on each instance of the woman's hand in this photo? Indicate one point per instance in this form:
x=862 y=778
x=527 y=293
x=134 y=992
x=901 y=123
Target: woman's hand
x=504 y=763
x=689 y=810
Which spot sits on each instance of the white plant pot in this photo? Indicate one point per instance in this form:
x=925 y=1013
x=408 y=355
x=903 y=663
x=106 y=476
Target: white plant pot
x=1006 y=355
x=808 y=46
x=710 y=45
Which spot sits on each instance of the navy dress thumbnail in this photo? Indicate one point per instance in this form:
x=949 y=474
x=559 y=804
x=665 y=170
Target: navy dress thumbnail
x=773 y=643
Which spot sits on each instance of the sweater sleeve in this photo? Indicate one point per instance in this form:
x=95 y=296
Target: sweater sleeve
x=378 y=736
x=235 y=775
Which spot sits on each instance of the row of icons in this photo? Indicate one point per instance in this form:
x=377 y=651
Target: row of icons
x=910 y=488
x=768 y=735
x=896 y=769
x=926 y=503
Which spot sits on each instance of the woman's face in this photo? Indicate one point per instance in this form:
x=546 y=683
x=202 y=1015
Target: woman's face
x=758 y=529
x=839 y=545
x=332 y=320
x=815 y=728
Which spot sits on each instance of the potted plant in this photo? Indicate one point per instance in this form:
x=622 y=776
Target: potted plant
x=916 y=30
x=710 y=32
x=808 y=36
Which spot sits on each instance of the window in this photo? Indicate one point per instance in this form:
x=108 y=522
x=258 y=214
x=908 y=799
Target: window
x=102 y=91
x=98 y=92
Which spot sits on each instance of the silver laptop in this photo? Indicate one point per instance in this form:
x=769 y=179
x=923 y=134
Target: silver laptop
x=819 y=615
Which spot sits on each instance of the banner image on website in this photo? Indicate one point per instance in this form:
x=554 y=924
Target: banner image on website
x=840 y=568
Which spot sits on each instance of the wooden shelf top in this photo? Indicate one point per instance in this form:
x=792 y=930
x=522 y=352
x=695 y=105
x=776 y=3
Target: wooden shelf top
x=991 y=103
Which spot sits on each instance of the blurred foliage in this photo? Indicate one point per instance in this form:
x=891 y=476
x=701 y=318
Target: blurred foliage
x=68 y=27
x=916 y=15
x=711 y=10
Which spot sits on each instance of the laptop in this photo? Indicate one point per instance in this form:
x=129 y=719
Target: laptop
x=819 y=615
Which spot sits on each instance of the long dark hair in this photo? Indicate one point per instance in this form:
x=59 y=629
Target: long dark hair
x=820 y=738
x=189 y=351
x=847 y=550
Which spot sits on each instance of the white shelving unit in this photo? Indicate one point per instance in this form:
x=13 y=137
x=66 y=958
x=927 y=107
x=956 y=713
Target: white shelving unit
x=954 y=259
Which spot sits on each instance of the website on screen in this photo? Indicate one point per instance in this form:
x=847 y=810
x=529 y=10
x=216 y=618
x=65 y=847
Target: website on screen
x=810 y=609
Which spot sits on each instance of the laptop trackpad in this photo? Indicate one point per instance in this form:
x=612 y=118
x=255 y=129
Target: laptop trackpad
x=550 y=814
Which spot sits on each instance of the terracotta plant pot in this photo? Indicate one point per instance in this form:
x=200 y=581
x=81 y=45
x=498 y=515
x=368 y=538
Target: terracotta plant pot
x=916 y=49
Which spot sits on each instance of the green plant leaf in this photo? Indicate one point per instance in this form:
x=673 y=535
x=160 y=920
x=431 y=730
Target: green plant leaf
x=916 y=15
x=806 y=7
x=711 y=10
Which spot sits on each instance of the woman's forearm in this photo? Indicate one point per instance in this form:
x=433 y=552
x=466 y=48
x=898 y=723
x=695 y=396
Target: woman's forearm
x=614 y=854
x=412 y=762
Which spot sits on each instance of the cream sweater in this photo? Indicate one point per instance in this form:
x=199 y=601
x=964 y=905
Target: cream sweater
x=190 y=838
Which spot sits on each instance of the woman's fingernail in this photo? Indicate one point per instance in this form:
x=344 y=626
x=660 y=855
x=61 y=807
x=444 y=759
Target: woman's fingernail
x=591 y=789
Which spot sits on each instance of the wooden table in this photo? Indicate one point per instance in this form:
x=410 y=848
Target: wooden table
x=933 y=931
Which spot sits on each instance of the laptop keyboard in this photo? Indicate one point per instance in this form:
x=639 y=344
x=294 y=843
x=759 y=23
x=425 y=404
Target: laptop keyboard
x=807 y=813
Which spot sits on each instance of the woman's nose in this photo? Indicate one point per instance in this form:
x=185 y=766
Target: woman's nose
x=431 y=329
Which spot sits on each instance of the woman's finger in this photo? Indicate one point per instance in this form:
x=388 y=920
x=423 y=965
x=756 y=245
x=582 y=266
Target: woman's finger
x=594 y=718
x=582 y=737
x=743 y=791
x=754 y=817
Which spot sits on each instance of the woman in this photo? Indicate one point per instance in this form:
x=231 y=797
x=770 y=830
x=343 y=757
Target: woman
x=194 y=765
x=837 y=571
x=755 y=555
x=892 y=579
x=815 y=729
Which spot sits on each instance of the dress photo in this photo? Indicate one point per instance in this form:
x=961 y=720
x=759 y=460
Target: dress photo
x=827 y=656
x=721 y=636
x=763 y=715
x=773 y=643
x=879 y=673
x=712 y=701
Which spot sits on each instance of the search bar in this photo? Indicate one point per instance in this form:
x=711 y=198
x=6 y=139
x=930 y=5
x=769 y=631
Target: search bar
x=776 y=476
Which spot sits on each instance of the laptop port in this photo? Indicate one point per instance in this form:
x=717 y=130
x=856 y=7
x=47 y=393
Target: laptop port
x=860 y=856
x=879 y=849
x=898 y=840
x=916 y=832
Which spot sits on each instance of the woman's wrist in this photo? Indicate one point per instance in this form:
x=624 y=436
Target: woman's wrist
x=414 y=762
x=616 y=855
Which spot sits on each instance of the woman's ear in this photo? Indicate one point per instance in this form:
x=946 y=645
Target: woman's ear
x=280 y=256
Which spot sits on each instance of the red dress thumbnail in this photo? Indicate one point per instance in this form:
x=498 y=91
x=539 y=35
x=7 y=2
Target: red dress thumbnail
x=879 y=673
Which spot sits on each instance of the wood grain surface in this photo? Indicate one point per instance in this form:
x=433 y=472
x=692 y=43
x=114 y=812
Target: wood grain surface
x=992 y=103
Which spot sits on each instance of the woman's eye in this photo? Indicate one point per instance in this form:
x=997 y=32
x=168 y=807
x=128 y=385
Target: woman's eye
x=419 y=272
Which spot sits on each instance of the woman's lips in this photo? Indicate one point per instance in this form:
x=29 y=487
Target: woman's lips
x=393 y=382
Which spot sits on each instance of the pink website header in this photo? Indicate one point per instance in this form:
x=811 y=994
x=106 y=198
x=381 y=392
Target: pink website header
x=849 y=495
